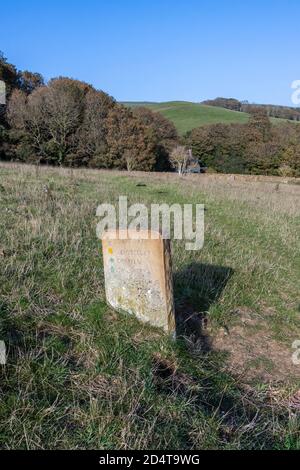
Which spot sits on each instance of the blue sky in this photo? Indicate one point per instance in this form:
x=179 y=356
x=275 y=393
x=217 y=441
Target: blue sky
x=159 y=50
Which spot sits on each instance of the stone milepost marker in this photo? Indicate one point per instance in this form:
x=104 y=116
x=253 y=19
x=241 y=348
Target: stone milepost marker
x=138 y=277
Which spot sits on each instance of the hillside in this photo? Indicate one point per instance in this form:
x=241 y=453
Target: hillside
x=186 y=115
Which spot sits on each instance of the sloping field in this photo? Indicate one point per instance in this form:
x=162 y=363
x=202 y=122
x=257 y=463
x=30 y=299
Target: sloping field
x=81 y=376
x=186 y=115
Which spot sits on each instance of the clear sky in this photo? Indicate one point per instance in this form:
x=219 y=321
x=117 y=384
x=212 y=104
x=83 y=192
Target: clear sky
x=159 y=50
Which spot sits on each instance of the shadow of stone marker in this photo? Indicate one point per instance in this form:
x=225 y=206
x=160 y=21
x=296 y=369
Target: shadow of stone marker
x=138 y=276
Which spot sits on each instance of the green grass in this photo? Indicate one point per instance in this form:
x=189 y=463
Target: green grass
x=187 y=116
x=82 y=376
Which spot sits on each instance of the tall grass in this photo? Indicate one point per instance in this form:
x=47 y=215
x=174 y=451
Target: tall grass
x=80 y=375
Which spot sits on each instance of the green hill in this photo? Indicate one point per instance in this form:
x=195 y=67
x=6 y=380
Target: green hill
x=187 y=115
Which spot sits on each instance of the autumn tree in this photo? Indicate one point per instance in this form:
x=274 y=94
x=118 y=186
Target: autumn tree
x=92 y=145
x=16 y=79
x=29 y=81
x=64 y=107
x=259 y=124
x=131 y=144
x=218 y=146
x=227 y=103
x=164 y=134
x=49 y=117
x=290 y=162
x=27 y=116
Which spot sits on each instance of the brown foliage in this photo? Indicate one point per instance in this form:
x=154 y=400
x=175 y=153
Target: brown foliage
x=69 y=122
x=256 y=147
x=164 y=134
x=228 y=103
x=131 y=145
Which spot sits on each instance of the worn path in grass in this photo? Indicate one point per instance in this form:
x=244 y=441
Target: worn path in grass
x=80 y=375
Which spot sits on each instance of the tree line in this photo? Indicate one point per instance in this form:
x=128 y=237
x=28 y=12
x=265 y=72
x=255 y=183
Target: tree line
x=283 y=112
x=69 y=122
x=257 y=147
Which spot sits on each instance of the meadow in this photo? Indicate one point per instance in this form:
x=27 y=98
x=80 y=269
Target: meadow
x=81 y=376
x=187 y=116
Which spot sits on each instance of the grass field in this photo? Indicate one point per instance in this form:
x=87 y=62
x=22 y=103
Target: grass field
x=186 y=115
x=80 y=375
